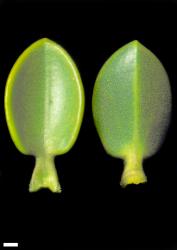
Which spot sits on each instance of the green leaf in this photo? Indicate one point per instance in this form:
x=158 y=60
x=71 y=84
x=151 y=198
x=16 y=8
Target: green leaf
x=131 y=107
x=44 y=104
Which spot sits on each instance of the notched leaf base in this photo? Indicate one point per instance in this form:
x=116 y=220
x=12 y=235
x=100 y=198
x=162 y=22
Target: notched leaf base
x=45 y=175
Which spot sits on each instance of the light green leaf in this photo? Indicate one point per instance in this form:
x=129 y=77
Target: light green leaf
x=131 y=107
x=44 y=104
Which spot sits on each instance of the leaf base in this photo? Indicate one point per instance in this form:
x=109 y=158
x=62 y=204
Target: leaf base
x=133 y=170
x=133 y=177
x=45 y=175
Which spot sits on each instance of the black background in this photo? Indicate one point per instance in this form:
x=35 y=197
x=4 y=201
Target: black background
x=93 y=211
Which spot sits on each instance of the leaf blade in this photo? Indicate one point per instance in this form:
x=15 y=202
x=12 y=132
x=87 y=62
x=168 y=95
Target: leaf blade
x=37 y=96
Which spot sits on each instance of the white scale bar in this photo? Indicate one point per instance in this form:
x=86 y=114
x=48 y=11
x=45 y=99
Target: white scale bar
x=12 y=244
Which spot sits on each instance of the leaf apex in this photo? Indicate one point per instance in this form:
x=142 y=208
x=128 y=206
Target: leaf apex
x=136 y=43
x=44 y=40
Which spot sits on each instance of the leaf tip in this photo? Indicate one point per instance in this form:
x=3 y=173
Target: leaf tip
x=136 y=43
x=44 y=41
